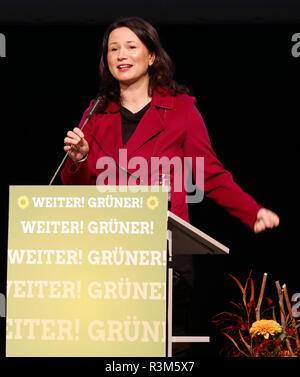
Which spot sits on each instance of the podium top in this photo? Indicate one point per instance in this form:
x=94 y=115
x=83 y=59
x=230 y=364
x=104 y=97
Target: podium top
x=187 y=239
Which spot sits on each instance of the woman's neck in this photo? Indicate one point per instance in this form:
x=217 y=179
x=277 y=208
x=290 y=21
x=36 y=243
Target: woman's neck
x=135 y=96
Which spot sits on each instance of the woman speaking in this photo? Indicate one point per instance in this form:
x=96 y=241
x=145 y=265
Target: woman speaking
x=147 y=113
x=144 y=112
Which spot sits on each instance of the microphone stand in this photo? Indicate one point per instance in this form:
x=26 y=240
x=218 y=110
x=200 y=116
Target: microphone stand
x=88 y=117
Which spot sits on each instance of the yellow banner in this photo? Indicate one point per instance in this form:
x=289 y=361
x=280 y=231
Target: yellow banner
x=86 y=271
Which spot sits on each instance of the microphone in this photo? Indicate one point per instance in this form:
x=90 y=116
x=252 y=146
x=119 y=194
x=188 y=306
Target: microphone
x=88 y=117
x=93 y=109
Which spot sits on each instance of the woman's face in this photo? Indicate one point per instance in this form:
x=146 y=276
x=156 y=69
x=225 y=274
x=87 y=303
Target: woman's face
x=128 y=58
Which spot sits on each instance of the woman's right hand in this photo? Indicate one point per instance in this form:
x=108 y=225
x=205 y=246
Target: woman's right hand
x=76 y=145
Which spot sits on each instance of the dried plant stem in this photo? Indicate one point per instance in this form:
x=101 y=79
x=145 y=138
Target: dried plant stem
x=286 y=296
x=281 y=305
x=261 y=295
x=282 y=317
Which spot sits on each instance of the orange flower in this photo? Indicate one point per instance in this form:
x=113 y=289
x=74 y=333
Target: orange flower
x=265 y=327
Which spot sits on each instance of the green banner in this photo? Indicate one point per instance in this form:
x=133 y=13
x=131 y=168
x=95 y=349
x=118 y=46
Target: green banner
x=86 y=271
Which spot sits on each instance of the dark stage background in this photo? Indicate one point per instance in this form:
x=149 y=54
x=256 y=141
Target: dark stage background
x=246 y=82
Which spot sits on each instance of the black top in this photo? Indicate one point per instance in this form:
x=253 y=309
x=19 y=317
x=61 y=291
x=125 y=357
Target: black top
x=130 y=121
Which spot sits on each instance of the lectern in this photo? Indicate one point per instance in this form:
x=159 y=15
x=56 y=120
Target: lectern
x=183 y=238
x=84 y=270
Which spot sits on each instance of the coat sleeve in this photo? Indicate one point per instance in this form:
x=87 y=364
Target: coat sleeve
x=80 y=174
x=218 y=182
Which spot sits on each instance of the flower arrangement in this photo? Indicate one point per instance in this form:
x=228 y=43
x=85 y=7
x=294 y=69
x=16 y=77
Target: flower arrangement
x=251 y=336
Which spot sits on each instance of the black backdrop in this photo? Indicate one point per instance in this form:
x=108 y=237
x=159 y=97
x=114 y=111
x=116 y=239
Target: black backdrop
x=246 y=82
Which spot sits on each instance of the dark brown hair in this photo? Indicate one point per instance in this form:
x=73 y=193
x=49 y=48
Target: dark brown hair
x=160 y=72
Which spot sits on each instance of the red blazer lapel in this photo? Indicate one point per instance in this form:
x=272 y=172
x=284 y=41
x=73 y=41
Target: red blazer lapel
x=151 y=124
x=108 y=135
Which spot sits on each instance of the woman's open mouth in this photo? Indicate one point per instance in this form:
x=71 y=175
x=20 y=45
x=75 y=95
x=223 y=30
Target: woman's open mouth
x=124 y=67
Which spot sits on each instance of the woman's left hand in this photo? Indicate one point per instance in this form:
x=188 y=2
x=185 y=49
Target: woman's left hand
x=265 y=219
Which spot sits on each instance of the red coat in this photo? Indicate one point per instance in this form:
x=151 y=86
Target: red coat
x=172 y=126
